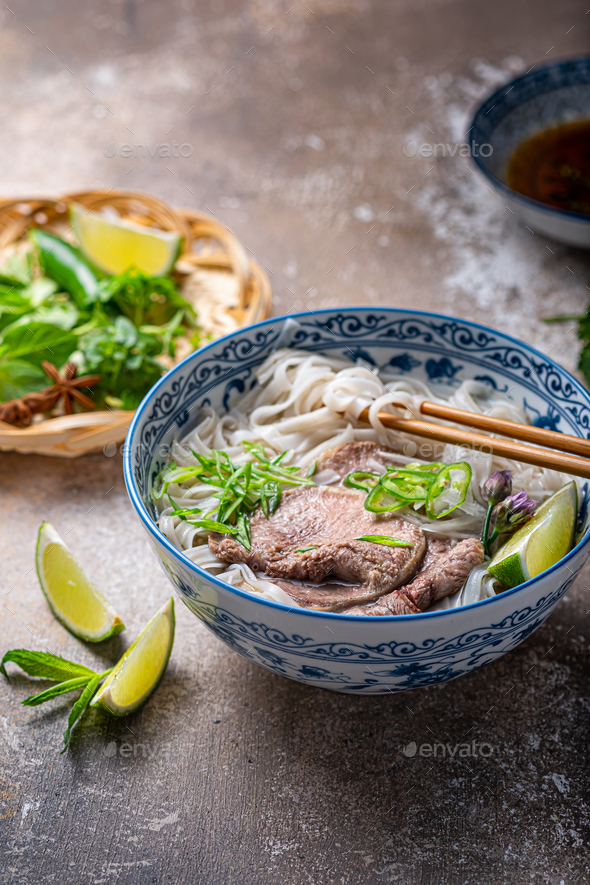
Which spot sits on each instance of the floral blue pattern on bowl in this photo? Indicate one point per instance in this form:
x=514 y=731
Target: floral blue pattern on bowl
x=338 y=651
x=547 y=96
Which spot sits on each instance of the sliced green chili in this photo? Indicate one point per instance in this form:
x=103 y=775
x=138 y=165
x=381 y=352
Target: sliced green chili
x=62 y=263
x=379 y=500
x=442 y=481
x=432 y=468
x=406 y=490
x=354 y=480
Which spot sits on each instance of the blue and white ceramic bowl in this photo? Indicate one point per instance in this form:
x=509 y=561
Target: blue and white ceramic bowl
x=337 y=651
x=547 y=96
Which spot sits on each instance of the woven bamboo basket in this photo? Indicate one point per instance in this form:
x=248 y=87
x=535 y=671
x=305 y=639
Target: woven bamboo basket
x=227 y=289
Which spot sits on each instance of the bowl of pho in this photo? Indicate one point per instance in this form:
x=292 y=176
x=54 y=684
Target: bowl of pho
x=336 y=551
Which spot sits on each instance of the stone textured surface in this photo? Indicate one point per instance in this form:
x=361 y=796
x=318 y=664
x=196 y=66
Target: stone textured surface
x=297 y=119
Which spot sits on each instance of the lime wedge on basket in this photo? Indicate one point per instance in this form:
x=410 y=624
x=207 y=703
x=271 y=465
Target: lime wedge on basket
x=72 y=597
x=542 y=542
x=113 y=245
x=142 y=666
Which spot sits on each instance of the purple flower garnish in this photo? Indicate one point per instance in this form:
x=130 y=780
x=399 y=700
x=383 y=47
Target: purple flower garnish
x=512 y=512
x=497 y=486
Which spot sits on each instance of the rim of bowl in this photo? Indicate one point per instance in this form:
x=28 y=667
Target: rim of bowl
x=495 y=98
x=161 y=539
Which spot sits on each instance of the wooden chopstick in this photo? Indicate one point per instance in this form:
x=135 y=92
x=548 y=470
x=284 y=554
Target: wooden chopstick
x=550 y=438
x=553 y=460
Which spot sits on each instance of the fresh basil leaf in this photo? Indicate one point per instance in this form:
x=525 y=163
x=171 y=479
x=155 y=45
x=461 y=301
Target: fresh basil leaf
x=18 y=377
x=64 y=315
x=45 y=665
x=63 y=688
x=42 y=289
x=7 y=279
x=387 y=540
x=16 y=271
x=13 y=305
x=81 y=705
x=38 y=341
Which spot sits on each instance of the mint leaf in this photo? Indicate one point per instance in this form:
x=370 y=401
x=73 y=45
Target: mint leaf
x=387 y=540
x=44 y=665
x=38 y=341
x=63 y=688
x=81 y=705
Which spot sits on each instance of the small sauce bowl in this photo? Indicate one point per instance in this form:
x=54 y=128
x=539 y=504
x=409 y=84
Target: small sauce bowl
x=541 y=99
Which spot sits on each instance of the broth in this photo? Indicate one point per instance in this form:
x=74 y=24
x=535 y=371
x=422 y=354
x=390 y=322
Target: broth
x=553 y=167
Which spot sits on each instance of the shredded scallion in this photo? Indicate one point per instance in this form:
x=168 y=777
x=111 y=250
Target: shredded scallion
x=240 y=489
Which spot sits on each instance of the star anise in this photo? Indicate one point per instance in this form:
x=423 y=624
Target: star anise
x=67 y=387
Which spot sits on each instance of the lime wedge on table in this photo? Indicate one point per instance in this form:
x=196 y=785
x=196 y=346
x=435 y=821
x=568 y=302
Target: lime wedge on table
x=142 y=666
x=541 y=542
x=72 y=597
x=113 y=246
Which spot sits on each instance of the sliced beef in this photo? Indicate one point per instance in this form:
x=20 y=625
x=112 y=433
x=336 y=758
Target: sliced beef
x=444 y=571
x=338 y=597
x=355 y=456
x=442 y=578
x=329 y=519
x=436 y=548
x=326 y=597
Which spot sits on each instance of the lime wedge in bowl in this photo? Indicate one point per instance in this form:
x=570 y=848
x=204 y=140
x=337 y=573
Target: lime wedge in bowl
x=142 y=666
x=115 y=245
x=542 y=542
x=72 y=597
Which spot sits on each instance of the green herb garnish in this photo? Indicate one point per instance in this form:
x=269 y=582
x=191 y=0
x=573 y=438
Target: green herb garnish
x=55 y=306
x=305 y=549
x=126 y=359
x=71 y=677
x=145 y=300
x=583 y=323
x=387 y=540
x=240 y=489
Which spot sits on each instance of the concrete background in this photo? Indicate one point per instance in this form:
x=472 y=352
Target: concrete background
x=297 y=118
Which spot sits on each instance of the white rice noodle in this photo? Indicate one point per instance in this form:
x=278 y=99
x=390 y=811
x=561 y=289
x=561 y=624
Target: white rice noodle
x=305 y=404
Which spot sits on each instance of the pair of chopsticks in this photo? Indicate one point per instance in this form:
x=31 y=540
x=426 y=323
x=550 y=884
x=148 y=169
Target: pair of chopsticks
x=569 y=454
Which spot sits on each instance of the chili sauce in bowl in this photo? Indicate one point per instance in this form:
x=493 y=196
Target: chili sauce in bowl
x=553 y=167
x=536 y=131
